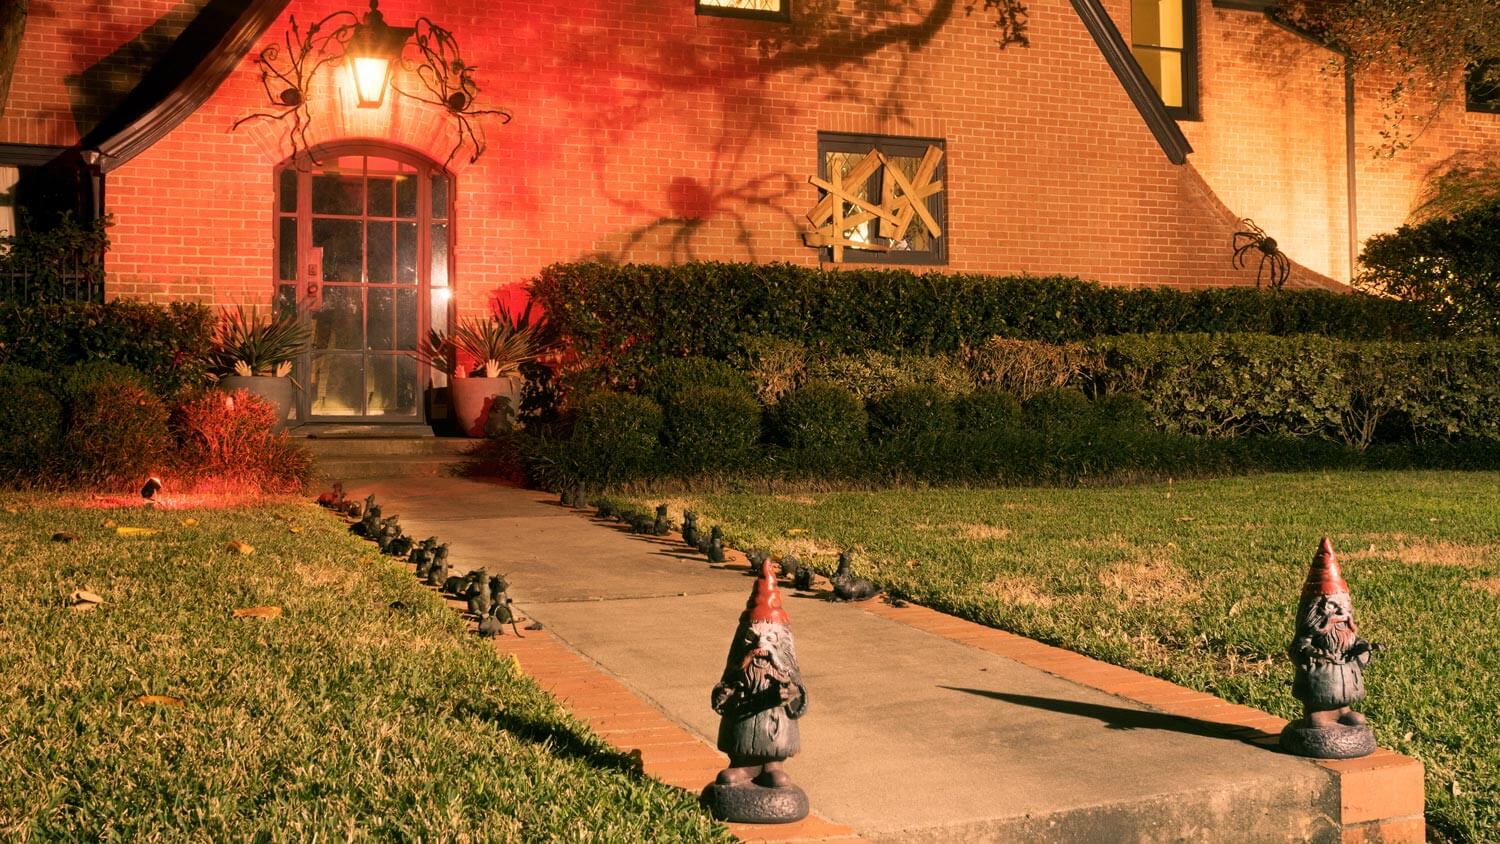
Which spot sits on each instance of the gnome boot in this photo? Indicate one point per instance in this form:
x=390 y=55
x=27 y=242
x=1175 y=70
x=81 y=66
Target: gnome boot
x=772 y=776
x=737 y=774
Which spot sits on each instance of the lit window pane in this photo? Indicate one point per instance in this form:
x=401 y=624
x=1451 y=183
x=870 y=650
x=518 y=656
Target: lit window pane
x=1164 y=69
x=1156 y=23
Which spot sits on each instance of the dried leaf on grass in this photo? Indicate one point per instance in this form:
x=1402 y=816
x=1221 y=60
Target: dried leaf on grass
x=12 y=510
x=110 y=523
x=258 y=612
x=158 y=700
x=83 y=599
x=189 y=522
x=242 y=548
x=295 y=528
x=124 y=530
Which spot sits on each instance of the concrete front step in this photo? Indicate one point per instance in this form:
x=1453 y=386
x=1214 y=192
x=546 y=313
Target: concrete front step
x=346 y=459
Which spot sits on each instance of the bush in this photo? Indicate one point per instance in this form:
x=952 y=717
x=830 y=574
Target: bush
x=674 y=376
x=1060 y=408
x=870 y=375
x=910 y=412
x=615 y=438
x=708 y=428
x=774 y=366
x=1122 y=411
x=629 y=317
x=31 y=422
x=1027 y=367
x=820 y=416
x=1449 y=266
x=227 y=437
x=116 y=428
x=169 y=345
x=987 y=409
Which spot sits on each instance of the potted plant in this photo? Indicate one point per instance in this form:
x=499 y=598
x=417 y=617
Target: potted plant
x=256 y=354
x=493 y=349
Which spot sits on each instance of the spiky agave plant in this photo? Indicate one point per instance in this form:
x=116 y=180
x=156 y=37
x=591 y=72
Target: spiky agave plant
x=245 y=344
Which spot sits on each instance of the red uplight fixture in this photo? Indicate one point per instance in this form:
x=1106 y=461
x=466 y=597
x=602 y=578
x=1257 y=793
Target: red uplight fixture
x=373 y=49
x=151 y=488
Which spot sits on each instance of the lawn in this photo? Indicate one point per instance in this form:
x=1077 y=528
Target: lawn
x=1197 y=582
x=363 y=711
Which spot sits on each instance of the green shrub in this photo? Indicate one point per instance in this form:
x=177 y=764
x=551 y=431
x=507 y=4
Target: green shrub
x=31 y=422
x=820 y=416
x=169 y=345
x=710 y=428
x=1059 y=408
x=1449 y=266
x=628 y=317
x=615 y=438
x=775 y=366
x=870 y=375
x=987 y=409
x=1122 y=410
x=116 y=428
x=910 y=412
x=674 y=376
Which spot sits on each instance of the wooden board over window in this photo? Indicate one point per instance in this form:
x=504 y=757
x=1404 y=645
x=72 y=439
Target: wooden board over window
x=771 y=10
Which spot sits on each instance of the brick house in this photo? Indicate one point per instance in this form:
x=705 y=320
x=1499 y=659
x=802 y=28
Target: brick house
x=1122 y=144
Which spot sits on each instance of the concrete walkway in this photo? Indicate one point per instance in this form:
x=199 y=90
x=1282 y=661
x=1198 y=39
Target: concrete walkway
x=920 y=727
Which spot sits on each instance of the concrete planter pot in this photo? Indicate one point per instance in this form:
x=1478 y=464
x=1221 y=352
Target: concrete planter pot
x=277 y=391
x=473 y=398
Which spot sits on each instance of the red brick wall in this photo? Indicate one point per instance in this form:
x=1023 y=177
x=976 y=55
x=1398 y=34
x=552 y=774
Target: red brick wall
x=1272 y=141
x=1050 y=168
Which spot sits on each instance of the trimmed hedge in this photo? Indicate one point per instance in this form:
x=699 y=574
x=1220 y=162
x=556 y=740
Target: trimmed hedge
x=169 y=345
x=820 y=416
x=614 y=439
x=116 y=427
x=31 y=425
x=629 y=317
x=710 y=428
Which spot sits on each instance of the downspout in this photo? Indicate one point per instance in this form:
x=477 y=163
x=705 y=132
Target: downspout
x=1349 y=169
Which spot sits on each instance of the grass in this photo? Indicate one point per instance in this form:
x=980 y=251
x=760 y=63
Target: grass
x=1197 y=582
x=364 y=711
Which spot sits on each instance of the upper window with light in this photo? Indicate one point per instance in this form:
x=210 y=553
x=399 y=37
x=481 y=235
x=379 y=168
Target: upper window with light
x=766 y=10
x=1164 y=40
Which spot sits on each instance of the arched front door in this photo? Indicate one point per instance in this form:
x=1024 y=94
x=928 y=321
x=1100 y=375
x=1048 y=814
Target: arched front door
x=363 y=249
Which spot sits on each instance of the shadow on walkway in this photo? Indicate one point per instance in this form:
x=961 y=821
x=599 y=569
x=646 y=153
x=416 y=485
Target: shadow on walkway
x=1114 y=717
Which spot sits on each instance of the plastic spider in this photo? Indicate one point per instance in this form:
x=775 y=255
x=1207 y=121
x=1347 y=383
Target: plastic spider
x=1254 y=238
x=286 y=84
x=449 y=84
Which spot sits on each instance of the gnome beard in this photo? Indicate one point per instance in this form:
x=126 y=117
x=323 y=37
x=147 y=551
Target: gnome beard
x=760 y=697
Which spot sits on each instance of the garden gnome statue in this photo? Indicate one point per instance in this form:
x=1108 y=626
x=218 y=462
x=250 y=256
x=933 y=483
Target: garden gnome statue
x=760 y=697
x=1330 y=659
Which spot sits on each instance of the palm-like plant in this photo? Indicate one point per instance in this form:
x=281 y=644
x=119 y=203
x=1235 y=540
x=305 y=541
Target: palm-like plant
x=498 y=345
x=245 y=344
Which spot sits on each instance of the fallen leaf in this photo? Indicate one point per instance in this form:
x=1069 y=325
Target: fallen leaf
x=159 y=700
x=110 y=523
x=63 y=537
x=123 y=530
x=1184 y=518
x=189 y=522
x=1453 y=786
x=258 y=612
x=296 y=528
x=12 y=510
x=83 y=599
x=241 y=548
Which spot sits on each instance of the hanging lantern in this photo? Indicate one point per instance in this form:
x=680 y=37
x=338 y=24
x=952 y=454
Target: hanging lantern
x=373 y=50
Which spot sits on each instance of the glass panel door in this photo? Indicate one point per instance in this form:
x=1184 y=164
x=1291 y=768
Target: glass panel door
x=367 y=224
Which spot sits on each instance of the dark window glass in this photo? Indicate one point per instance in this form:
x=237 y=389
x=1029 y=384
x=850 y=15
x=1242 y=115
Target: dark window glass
x=908 y=241
x=342 y=245
x=406 y=197
x=381 y=197
x=439 y=197
x=286 y=246
x=382 y=323
x=338 y=194
x=406 y=253
x=1482 y=86
x=288 y=190
x=378 y=260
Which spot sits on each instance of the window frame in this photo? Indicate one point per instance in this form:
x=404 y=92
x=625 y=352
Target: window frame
x=905 y=146
x=782 y=16
x=1491 y=105
x=1189 y=109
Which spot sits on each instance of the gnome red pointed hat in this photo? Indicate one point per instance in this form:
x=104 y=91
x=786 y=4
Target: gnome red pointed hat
x=1323 y=576
x=765 y=599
